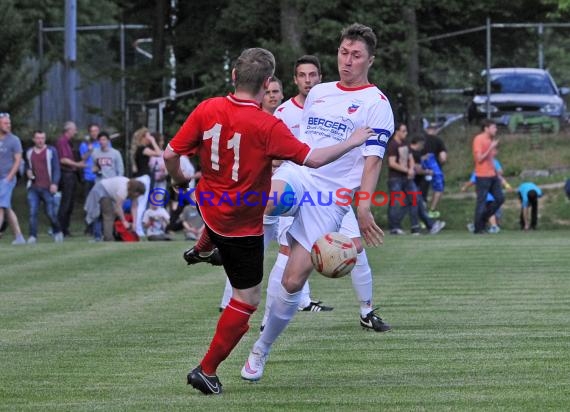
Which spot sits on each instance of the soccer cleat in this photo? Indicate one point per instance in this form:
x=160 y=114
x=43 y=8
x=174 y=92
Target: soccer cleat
x=437 y=226
x=208 y=385
x=213 y=257
x=316 y=307
x=374 y=322
x=254 y=365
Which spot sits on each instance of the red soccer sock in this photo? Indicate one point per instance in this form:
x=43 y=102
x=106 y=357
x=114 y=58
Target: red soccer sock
x=204 y=244
x=233 y=324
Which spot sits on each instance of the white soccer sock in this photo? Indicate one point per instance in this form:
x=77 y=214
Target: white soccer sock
x=305 y=295
x=270 y=227
x=282 y=310
x=227 y=294
x=362 y=283
x=274 y=283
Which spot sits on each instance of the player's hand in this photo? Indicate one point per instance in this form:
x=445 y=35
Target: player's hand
x=370 y=231
x=360 y=135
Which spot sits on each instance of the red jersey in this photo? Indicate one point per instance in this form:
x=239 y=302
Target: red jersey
x=235 y=141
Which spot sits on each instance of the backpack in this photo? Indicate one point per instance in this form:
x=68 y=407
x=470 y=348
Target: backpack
x=122 y=233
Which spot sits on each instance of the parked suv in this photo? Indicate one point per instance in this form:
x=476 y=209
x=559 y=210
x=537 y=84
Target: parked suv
x=528 y=92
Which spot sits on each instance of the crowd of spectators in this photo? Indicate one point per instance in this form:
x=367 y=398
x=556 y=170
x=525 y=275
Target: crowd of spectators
x=91 y=173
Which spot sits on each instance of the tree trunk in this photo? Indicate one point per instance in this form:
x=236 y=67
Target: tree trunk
x=291 y=32
x=413 y=70
x=158 y=47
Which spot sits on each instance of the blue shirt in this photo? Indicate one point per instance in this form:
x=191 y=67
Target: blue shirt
x=526 y=187
x=88 y=173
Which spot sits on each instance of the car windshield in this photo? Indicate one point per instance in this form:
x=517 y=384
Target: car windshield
x=519 y=83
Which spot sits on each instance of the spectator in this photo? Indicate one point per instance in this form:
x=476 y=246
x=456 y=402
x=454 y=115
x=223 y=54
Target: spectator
x=104 y=204
x=529 y=193
x=86 y=149
x=420 y=174
x=143 y=147
x=107 y=161
x=68 y=182
x=495 y=220
x=487 y=179
x=403 y=190
x=10 y=159
x=156 y=165
x=435 y=146
x=43 y=172
x=567 y=188
x=155 y=220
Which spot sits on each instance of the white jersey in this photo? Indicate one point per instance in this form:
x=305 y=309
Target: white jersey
x=331 y=113
x=291 y=113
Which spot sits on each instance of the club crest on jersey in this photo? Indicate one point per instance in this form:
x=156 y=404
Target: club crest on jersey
x=353 y=108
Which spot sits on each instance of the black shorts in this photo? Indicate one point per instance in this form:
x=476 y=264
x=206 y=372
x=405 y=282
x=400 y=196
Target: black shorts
x=242 y=258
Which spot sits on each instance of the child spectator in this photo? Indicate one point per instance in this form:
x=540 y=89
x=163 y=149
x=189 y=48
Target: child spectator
x=192 y=223
x=528 y=195
x=155 y=219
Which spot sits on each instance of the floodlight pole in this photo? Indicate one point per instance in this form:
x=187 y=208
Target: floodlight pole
x=70 y=59
x=540 y=46
x=488 y=68
x=41 y=63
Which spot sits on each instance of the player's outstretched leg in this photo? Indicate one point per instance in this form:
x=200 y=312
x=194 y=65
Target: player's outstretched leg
x=203 y=251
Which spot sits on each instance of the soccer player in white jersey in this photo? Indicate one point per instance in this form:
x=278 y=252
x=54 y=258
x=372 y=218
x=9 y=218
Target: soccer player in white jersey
x=331 y=112
x=307 y=73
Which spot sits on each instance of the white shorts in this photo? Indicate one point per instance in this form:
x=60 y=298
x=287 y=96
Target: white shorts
x=312 y=216
x=349 y=226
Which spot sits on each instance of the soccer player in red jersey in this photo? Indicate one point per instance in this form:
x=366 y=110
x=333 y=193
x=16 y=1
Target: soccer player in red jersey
x=236 y=142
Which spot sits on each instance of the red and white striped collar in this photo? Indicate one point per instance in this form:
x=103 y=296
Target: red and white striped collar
x=232 y=98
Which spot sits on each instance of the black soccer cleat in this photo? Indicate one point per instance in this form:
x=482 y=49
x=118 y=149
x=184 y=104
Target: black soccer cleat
x=374 y=322
x=192 y=256
x=316 y=307
x=208 y=385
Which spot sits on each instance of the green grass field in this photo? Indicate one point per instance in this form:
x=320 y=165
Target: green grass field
x=479 y=323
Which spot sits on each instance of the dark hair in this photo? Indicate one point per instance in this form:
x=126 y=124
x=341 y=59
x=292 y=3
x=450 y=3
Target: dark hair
x=398 y=125
x=417 y=139
x=532 y=197
x=252 y=68
x=135 y=188
x=103 y=134
x=275 y=79
x=90 y=125
x=308 y=59
x=38 y=131
x=357 y=31
x=487 y=123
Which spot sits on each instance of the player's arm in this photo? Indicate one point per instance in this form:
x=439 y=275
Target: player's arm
x=369 y=230
x=324 y=155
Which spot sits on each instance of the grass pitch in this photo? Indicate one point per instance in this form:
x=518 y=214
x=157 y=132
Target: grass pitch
x=479 y=323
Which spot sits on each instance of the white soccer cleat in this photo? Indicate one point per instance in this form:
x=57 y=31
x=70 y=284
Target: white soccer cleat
x=254 y=365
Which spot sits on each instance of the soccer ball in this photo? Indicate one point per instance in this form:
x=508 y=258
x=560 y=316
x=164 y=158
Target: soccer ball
x=333 y=255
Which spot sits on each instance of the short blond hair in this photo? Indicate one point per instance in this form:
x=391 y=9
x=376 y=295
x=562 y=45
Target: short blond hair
x=253 y=67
